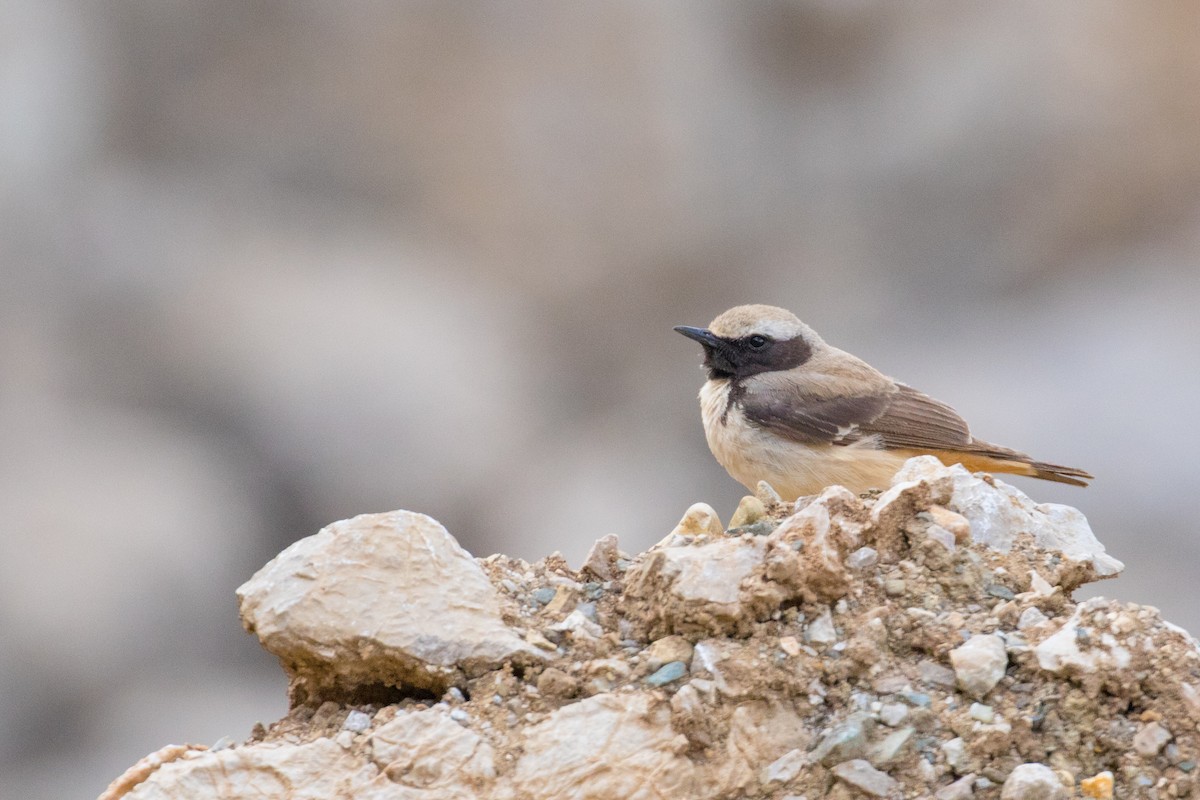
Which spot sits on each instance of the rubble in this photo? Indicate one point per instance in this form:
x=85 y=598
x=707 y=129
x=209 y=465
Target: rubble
x=918 y=642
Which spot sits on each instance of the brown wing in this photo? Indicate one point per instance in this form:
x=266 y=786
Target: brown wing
x=914 y=419
x=902 y=419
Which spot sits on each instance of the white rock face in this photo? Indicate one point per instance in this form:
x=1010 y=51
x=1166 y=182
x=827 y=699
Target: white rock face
x=998 y=513
x=607 y=746
x=314 y=771
x=1033 y=782
x=979 y=664
x=1061 y=652
x=381 y=598
x=427 y=749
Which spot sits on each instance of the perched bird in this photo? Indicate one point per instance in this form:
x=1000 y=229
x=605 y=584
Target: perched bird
x=782 y=406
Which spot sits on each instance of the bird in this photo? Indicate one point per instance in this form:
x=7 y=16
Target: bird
x=783 y=406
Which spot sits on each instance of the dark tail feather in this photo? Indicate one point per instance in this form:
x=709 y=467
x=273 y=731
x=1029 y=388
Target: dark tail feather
x=1054 y=472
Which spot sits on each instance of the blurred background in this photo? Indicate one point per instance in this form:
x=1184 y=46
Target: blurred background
x=265 y=265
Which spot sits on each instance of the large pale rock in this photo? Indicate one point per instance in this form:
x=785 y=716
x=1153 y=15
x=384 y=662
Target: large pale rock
x=806 y=554
x=427 y=749
x=313 y=771
x=1079 y=649
x=998 y=513
x=696 y=588
x=378 y=599
x=607 y=746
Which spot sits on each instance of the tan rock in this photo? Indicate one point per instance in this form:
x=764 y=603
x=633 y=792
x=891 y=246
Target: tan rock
x=607 y=746
x=427 y=749
x=313 y=771
x=378 y=599
x=695 y=588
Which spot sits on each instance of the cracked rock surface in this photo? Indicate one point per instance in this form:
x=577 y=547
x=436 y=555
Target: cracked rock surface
x=912 y=643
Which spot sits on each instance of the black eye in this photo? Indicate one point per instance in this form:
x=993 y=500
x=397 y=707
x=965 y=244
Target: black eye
x=758 y=342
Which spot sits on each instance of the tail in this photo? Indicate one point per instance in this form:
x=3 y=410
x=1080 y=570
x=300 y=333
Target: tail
x=985 y=457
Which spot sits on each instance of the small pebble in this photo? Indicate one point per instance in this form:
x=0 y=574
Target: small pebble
x=862 y=776
x=959 y=790
x=1099 y=786
x=460 y=716
x=1030 y=617
x=667 y=673
x=893 y=714
x=356 y=722
x=1033 y=782
x=543 y=595
x=862 y=558
x=1000 y=590
x=455 y=694
x=894 y=587
x=983 y=713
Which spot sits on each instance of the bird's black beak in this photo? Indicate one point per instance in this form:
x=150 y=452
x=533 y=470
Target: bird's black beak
x=701 y=335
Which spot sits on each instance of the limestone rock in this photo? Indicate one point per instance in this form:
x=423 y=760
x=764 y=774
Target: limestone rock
x=979 y=664
x=998 y=513
x=868 y=780
x=427 y=749
x=698 y=588
x=1033 y=782
x=1062 y=651
x=378 y=599
x=313 y=771
x=610 y=745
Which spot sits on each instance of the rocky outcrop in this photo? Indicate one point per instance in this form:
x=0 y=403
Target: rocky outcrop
x=918 y=642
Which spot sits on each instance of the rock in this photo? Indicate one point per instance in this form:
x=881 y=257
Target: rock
x=783 y=769
x=556 y=683
x=1061 y=651
x=845 y=740
x=952 y=522
x=997 y=513
x=749 y=511
x=955 y=752
x=148 y=765
x=570 y=754
x=312 y=771
x=427 y=749
x=935 y=674
x=601 y=559
x=979 y=664
x=696 y=588
x=1099 y=786
x=961 y=789
x=805 y=554
x=666 y=650
x=699 y=520
x=356 y=722
x=868 y=780
x=891 y=747
x=1030 y=617
x=1151 y=739
x=578 y=625
x=380 y=599
x=862 y=558
x=821 y=629
x=984 y=714
x=893 y=714
x=759 y=733
x=1033 y=782
x=667 y=673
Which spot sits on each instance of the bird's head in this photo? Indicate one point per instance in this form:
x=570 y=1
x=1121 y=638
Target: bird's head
x=747 y=340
